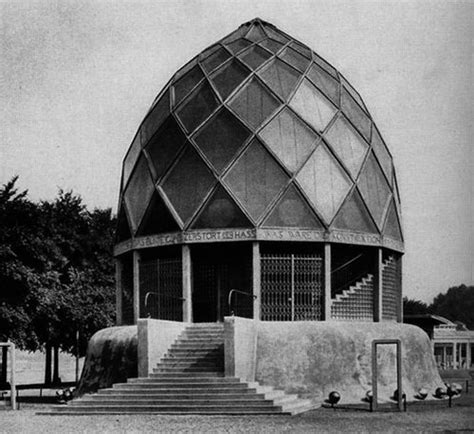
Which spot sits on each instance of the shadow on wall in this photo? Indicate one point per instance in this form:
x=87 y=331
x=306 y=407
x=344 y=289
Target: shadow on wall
x=111 y=358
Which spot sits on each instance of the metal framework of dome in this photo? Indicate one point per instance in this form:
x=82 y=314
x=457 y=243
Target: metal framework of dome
x=259 y=139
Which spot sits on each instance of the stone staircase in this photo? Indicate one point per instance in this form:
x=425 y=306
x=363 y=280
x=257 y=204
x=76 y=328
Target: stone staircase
x=189 y=380
x=356 y=302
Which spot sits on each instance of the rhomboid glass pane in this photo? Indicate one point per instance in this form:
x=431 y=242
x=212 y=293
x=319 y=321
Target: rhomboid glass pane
x=295 y=59
x=256 y=33
x=280 y=77
x=355 y=114
x=158 y=218
x=270 y=44
x=131 y=158
x=254 y=56
x=238 y=45
x=215 y=59
x=325 y=82
x=186 y=83
x=227 y=78
x=382 y=153
x=392 y=226
x=155 y=118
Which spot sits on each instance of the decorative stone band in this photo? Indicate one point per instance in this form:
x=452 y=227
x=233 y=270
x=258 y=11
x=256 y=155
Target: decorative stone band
x=225 y=235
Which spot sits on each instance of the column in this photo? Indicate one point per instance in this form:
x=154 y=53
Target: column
x=400 y=295
x=136 y=286
x=118 y=291
x=445 y=357
x=256 y=284
x=454 y=356
x=378 y=286
x=327 y=282
x=187 y=287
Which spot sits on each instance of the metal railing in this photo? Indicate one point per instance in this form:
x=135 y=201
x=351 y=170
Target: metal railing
x=158 y=295
x=349 y=273
x=236 y=291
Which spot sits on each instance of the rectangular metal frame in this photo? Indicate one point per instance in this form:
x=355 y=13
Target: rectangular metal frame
x=11 y=345
x=398 y=343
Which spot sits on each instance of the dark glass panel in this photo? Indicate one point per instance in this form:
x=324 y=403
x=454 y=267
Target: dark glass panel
x=275 y=34
x=254 y=56
x=312 y=106
x=271 y=45
x=347 y=143
x=302 y=49
x=292 y=211
x=280 y=77
x=220 y=139
x=131 y=158
x=254 y=103
x=198 y=107
x=355 y=114
x=325 y=82
x=227 y=78
x=208 y=51
x=290 y=139
x=188 y=183
x=353 y=93
x=184 y=70
x=256 y=179
x=374 y=188
x=256 y=33
x=324 y=182
x=123 y=229
x=392 y=225
x=164 y=146
x=215 y=59
x=295 y=59
x=323 y=64
x=184 y=85
x=221 y=211
x=239 y=33
x=155 y=118
x=138 y=192
x=238 y=45
x=157 y=218
x=353 y=215
x=382 y=153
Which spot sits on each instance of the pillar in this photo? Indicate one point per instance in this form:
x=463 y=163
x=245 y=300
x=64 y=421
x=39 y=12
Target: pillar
x=327 y=281
x=136 y=286
x=378 y=286
x=445 y=357
x=187 y=286
x=118 y=292
x=400 y=294
x=454 y=356
x=256 y=276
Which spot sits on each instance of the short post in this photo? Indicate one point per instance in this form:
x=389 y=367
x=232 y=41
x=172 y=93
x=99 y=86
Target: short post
x=12 y=378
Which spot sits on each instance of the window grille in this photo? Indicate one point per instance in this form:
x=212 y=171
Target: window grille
x=390 y=288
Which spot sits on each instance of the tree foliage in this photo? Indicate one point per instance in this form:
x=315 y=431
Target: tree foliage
x=56 y=270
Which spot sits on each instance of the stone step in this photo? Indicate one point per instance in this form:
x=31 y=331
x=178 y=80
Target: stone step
x=177 y=396
x=192 y=380
x=171 y=375
x=71 y=411
x=183 y=389
x=172 y=385
x=208 y=369
x=216 y=401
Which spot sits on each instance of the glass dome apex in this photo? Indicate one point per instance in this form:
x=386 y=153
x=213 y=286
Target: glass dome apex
x=258 y=131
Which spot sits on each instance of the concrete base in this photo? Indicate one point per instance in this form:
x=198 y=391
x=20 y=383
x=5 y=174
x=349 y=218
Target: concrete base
x=111 y=358
x=314 y=358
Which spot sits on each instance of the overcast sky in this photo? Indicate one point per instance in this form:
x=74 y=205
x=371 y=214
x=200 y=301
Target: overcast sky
x=76 y=79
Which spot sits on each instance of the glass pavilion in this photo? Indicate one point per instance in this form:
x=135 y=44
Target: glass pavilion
x=258 y=185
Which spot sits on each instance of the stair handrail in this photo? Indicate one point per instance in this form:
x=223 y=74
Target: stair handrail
x=147 y=295
x=237 y=291
x=347 y=263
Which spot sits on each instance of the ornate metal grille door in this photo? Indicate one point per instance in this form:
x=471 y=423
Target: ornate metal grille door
x=161 y=289
x=292 y=287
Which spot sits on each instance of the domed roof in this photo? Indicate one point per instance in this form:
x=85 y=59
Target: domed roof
x=258 y=131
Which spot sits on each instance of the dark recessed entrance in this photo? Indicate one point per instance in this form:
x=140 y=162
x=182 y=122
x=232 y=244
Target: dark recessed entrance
x=216 y=271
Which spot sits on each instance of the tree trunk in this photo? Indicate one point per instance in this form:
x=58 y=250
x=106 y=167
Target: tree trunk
x=56 y=379
x=47 y=370
x=3 y=373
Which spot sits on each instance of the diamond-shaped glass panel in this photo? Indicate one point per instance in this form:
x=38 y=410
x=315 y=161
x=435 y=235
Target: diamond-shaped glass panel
x=295 y=59
x=280 y=77
x=198 y=107
x=355 y=114
x=325 y=82
x=324 y=182
x=270 y=44
x=312 y=106
x=131 y=158
x=290 y=139
x=221 y=211
x=123 y=229
x=347 y=143
x=382 y=153
x=220 y=139
x=374 y=188
x=392 y=225
x=227 y=78
x=323 y=64
x=292 y=211
x=256 y=33
x=256 y=179
x=254 y=56
x=275 y=34
x=353 y=93
x=238 y=45
x=157 y=218
x=215 y=59
x=184 y=70
x=186 y=83
x=138 y=192
x=164 y=146
x=155 y=118
x=353 y=215
x=188 y=183
x=254 y=103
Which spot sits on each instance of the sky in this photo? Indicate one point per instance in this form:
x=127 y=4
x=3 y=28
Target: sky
x=77 y=78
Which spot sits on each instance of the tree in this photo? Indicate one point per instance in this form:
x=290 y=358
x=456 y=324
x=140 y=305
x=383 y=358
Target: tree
x=414 y=307
x=457 y=304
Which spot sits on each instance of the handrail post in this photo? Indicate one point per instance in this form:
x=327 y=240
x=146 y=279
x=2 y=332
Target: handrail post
x=327 y=282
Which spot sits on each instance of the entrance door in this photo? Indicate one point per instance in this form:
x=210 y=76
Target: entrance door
x=216 y=271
